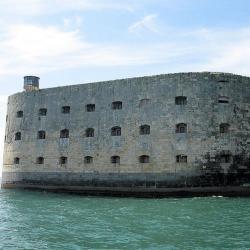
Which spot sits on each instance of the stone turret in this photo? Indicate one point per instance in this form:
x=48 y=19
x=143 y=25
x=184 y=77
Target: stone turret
x=31 y=83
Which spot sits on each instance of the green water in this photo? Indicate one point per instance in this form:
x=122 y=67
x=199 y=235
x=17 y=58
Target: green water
x=38 y=220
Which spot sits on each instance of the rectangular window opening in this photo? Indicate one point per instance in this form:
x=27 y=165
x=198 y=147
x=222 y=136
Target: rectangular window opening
x=66 y=109
x=90 y=107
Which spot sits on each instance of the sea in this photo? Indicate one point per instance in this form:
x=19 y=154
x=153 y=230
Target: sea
x=42 y=220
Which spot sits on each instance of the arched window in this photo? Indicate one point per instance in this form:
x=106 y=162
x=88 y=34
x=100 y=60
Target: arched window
x=39 y=160
x=90 y=132
x=88 y=159
x=180 y=100
x=64 y=133
x=116 y=131
x=16 y=160
x=181 y=128
x=63 y=160
x=144 y=102
x=43 y=112
x=66 y=109
x=41 y=135
x=144 y=129
x=224 y=128
x=90 y=107
x=144 y=159
x=19 y=114
x=181 y=158
x=116 y=105
x=18 y=136
x=115 y=159
x=223 y=99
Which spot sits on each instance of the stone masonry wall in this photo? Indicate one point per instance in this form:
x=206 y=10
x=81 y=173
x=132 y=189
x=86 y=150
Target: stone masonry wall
x=145 y=100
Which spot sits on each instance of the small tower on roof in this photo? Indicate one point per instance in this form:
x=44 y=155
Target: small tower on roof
x=31 y=83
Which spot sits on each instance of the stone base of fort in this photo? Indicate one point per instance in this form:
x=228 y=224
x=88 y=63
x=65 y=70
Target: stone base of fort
x=132 y=184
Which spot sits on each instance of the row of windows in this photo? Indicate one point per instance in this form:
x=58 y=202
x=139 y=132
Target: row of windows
x=179 y=100
x=66 y=109
x=113 y=159
x=89 y=132
x=116 y=131
x=224 y=158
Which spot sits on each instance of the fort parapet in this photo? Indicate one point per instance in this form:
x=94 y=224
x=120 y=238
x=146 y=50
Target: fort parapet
x=156 y=135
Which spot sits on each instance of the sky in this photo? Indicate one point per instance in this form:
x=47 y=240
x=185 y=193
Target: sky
x=78 y=41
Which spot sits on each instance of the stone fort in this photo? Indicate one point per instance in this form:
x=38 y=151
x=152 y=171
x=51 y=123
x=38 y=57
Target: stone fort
x=147 y=135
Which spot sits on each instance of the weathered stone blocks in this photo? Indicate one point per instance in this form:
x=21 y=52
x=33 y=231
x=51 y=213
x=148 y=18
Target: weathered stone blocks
x=212 y=99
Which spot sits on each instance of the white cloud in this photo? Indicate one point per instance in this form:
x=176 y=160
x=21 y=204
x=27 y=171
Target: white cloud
x=223 y=50
x=41 y=7
x=29 y=48
x=92 y=4
x=72 y=22
x=39 y=49
x=26 y=46
x=24 y=7
x=29 y=41
x=147 y=23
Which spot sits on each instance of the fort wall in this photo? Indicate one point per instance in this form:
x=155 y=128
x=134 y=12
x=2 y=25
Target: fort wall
x=197 y=133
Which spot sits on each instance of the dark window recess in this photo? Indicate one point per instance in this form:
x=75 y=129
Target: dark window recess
x=88 y=159
x=115 y=159
x=42 y=112
x=116 y=131
x=116 y=105
x=64 y=133
x=223 y=99
x=144 y=159
x=145 y=130
x=90 y=132
x=223 y=80
x=180 y=100
x=181 y=159
x=224 y=128
x=181 y=128
x=238 y=159
x=144 y=102
x=225 y=158
x=16 y=160
x=90 y=107
x=19 y=114
x=40 y=160
x=6 y=118
x=66 y=109
x=63 y=160
x=18 y=136
x=41 y=135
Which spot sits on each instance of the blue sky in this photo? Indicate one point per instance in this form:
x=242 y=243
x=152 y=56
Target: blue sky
x=79 y=41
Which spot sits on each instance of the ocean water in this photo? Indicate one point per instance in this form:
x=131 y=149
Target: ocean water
x=40 y=220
